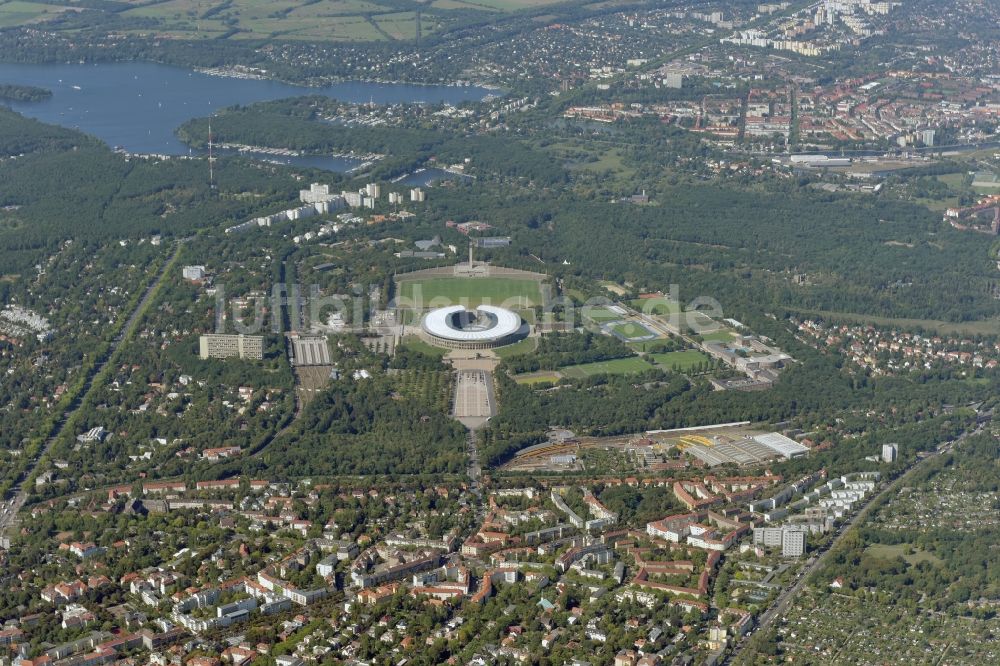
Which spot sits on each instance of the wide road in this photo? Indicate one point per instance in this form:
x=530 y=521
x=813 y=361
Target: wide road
x=9 y=510
x=784 y=600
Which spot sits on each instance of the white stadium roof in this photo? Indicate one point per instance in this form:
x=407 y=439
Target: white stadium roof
x=783 y=445
x=437 y=324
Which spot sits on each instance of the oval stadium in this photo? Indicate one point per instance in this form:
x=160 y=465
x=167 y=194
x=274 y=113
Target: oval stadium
x=485 y=327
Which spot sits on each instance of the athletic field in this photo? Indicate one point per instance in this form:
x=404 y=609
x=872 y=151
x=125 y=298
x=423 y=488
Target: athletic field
x=629 y=330
x=684 y=360
x=427 y=293
x=618 y=366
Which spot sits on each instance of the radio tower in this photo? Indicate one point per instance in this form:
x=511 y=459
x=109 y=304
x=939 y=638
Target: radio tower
x=211 y=159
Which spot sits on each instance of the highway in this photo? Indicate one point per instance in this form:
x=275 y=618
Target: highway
x=784 y=600
x=11 y=507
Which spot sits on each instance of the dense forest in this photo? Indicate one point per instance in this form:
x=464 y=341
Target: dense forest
x=744 y=247
x=779 y=245
x=293 y=124
x=58 y=183
x=13 y=92
x=365 y=427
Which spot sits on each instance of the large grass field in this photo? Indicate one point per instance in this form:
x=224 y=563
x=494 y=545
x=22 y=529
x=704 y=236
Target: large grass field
x=655 y=306
x=619 y=366
x=525 y=346
x=323 y=20
x=684 y=360
x=583 y=156
x=515 y=293
x=630 y=330
x=329 y=20
x=601 y=314
x=543 y=377
x=21 y=13
x=416 y=344
x=724 y=335
x=892 y=551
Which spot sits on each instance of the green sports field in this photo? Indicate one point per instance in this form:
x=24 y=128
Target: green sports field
x=601 y=314
x=722 y=335
x=426 y=293
x=631 y=330
x=655 y=306
x=532 y=378
x=619 y=366
x=684 y=360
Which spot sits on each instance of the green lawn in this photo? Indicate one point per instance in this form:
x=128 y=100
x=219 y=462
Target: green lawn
x=619 y=366
x=20 y=13
x=684 y=360
x=515 y=293
x=525 y=346
x=531 y=378
x=321 y=20
x=953 y=180
x=601 y=314
x=893 y=551
x=326 y=20
x=607 y=160
x=655 y=306
x=723 y=335
x=417 y=344
x=513 y=5
x=631 y=330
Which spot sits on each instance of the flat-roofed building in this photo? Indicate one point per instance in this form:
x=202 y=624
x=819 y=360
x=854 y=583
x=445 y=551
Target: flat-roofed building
x=784 y=446
x=793 y=543
x=310 y=350
x=791 y=538
x=216 y=345
x=889 y=453
x=194 y=272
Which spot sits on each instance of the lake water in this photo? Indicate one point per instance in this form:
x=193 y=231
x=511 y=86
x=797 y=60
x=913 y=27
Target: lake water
x=138 y=106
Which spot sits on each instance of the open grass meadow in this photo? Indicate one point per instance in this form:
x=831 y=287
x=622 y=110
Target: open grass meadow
x=22 y=13
x=543 y=377
x=630 y=329
x=601 y=314
x=417 y=344
x=723 y=335
x=619 y=366
x=526 y=346
x=329 y=20
x=427 y=293
x=913 y=556
x=683 y=360
x=321 y=20
x=655 y=306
